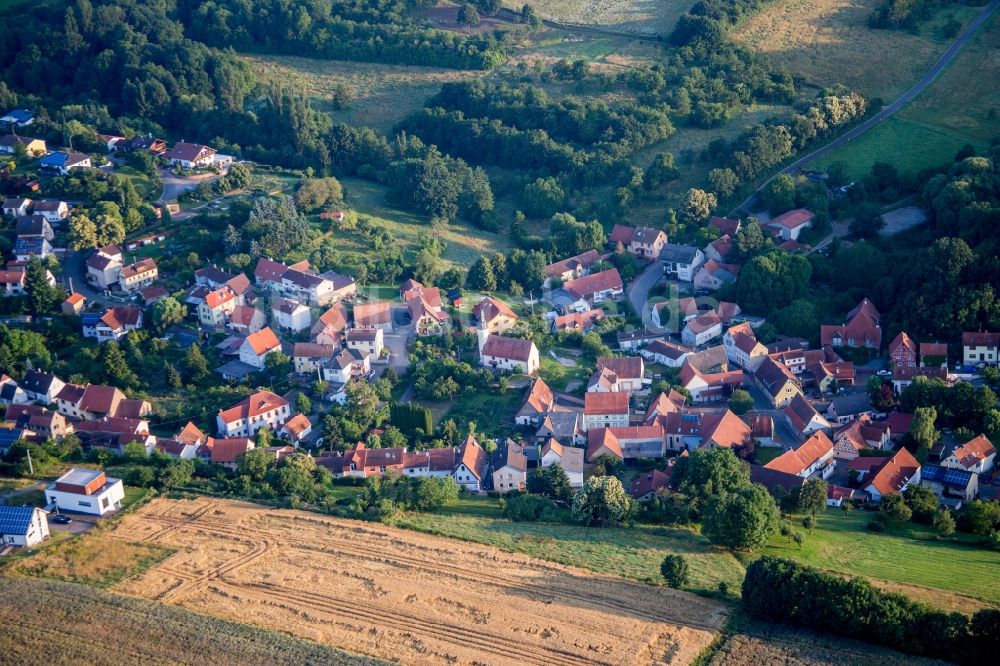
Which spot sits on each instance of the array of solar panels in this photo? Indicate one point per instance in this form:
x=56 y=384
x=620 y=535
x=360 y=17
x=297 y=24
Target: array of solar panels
x=15 y=519
x=945 y=475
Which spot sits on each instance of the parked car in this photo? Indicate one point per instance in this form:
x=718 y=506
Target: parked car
x=60 y=519
x=884 y=373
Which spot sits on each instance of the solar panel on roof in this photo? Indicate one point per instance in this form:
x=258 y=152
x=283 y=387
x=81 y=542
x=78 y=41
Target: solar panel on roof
x=8 y=436
x=15 y=519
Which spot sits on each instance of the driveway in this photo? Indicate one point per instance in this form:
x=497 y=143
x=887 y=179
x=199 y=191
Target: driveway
x=399 y=360
x=75 y=269
x=174 y=185
x=638 y=291
x=887 y=111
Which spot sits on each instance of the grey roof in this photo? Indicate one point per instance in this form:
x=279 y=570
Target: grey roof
x=683 y=254
x=639 y=334
x=855 y=403
x=37 y=382
x=561 y=298
x=236 y=369
x=15 y=519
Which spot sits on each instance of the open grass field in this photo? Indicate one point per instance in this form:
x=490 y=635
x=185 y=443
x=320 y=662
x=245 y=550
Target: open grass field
x=384 y=94
x=634 y=17
x=413 y=598
x=829 y=42
x=465 y=243
x=942 y=573
x=961 y=107
x=766 y=644
x=92 y=561
x=63 y=623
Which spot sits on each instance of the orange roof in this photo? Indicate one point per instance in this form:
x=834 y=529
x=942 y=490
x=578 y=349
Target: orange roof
x=74 y=298
x=190 y=434
x=226 y=450
x=902 y=339
x=724 y=430
x=473 y=456
x=605 y=403
x=218 y=297
x=800 y=459
x=253 y=405
x=540 y=397
x=793 y=218
x=602 y=438
x=490 y=308
x=575 y=321
x=974 y=451
x=377 y=313
x=296 y=425
x=595 y=282
x=895 y=473
x=263 y=341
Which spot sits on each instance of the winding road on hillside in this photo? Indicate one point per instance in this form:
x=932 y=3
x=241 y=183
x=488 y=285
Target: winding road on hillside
x=887 y=111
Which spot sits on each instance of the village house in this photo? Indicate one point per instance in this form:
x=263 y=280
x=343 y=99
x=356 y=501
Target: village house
x=953 y=487
x=39 y=420
x=147 y=142
x=565 y=424
x=714 y=274
x=64 y=162
x=261 y=409
x=618 y=374
x=605 y=409
x=626 y=442
x=367 y=341
x=892 y=475
x=903 y=351
x=212 y=277
x=539 y=401
x=11 y=393
x=493 y=315
x=791 y=224
x=86 y=491
x=572 y=268
x=933 y=355
x=26 y=247
x=977 y=455
x=54 y=212
x=33 y=147
x=296 y=429
x=95 y=402
x=426 y=317
x=643 y=242
x=861 y=433
x=218 y=306
x=41 y=386
x=848 y=407
x=310 y=357
x=23 y=526
x=681 y=261
x=862 y=329
x=980 y=347
x=577 y=321
x=362 y=462
x=434 y=463
x=742 y=347
x=138 y=275
x=290 y=315
x=245 y=319
x=345 y=366
x=815 y=457
x=471 y=468
x=329 y=327
x=903 y=377
x=74 y=304
x=633 y=340
x=33 y=226
x=226 y=451
x=510 y=468
x=663 y=404
x=686 y=430
x=666 y=353
x=114 y=433
x=257 y=346
x=377 y=314
x=803 y=418
x=114 y=324
x=16 y=206
x=594 y=288
x=720 y=249
x=702 y=329
x=505 y=354
x=104 y=266
x=569 y=458
x=189 y=155
x=18 y=118
x=708 y=386
x=644 y=486
x=776 y=382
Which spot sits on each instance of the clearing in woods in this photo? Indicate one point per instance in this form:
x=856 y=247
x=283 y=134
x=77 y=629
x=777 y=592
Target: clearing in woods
x=829 y=42
x=49 y=622
x=633 y=17
x=404 y=596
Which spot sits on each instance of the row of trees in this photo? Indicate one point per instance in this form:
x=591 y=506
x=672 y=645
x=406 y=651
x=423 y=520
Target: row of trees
x=777 y=590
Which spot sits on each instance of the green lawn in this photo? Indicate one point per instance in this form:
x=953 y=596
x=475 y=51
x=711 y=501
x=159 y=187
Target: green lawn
x=765 y=454
x=140 y=180
x=630 y=552
x=556 y=375
x=910 y=556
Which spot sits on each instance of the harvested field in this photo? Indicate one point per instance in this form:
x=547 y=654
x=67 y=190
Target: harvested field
x=48 y=622
x=766 y=645
x=404 y=596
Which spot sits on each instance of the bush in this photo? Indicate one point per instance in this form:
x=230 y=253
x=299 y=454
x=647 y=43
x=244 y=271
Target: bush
x=674 y=569
x=527 y=508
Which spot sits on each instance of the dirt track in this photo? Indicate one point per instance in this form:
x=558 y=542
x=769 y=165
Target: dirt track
x=405 y=596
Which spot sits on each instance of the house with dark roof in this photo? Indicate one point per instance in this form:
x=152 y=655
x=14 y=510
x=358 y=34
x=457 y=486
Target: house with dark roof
x=776 y=382
x=64 y=162
x=954 y=487
x=644 y=486
x=23 y=526
x=138 y=275
x=980 y=347
x=510 y=467
x=572 y=268
x=850 y=439
x=41 y=386
x=33 y=147
x=666 y=353
x=189 y=155
x=848 y=407
x=681 y=261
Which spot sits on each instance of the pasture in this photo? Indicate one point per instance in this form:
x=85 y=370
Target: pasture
x=829 y=42
x=398 y=595
x=633 y=17
x=76 y=624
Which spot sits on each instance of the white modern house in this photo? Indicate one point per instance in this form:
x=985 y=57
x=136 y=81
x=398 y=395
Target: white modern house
x=22 y=526
x=86 y=491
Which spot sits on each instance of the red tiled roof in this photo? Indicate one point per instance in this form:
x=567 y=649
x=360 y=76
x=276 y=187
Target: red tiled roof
x=491 y=308
x=605 y=403
x=138 y=268
x=725 y=225
x=377 y=313
x=268 y=270
x=627 y=367
x=980 y=339
x=595 y=282
x=585 y=260
x=974 y=451
x=793 y=218
x=798 y=460
x=296 y=425
x=902 y=339
x=312 y=350
x=473 y=457
x=500 y=346
x=190 y=434
x=227 y=449
x=578 y=321
x=621 y=234
x=253 y=405
x=263 y=341
x=650 y=482
x=894 y=473
x=540 y=397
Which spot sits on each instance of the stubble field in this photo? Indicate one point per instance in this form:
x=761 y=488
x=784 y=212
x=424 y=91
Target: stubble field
x=399 y=595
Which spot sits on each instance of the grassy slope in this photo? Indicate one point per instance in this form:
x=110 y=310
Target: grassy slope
x=639 y=17
x=910 y=557
x=960 y=107
x=828 y=42
x=74 y=624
